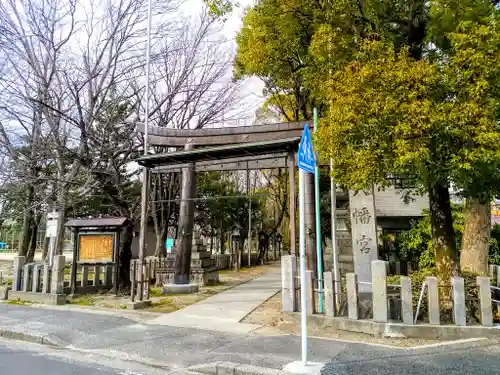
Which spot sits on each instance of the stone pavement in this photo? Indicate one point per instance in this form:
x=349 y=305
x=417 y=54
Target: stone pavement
x=224 y=311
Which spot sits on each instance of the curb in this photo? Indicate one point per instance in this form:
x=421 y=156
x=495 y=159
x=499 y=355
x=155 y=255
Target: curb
x=50 y=340
x=231 y=368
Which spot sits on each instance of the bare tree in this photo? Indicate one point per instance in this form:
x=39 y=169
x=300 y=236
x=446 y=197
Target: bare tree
x=191 y=88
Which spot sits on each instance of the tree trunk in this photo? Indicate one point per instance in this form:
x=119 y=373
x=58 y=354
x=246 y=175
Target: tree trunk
x=45 y=251
x=27 y=221
x=443 y=236
x=222 y=242
x=33 y=237
x=476 y=236
x=125 y=257
x=160 y=250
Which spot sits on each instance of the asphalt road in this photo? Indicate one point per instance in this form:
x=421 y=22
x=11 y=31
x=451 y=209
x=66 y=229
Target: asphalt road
x=479 y=358
x=19 y=358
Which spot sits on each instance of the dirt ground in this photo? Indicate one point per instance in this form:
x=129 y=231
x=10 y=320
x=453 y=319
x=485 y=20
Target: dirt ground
x=168 y=303
x=275 y=322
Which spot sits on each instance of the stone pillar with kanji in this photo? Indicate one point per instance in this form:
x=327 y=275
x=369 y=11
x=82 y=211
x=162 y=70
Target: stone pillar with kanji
x=364 y=235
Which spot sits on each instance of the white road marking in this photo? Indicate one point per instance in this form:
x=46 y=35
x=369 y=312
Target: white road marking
x=448 y=343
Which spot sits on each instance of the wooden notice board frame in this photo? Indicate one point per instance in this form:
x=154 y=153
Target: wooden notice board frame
x=110 y=226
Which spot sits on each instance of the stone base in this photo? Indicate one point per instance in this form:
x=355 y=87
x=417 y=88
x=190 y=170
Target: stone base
x=310 y=368
x=4 y=292
x=206 y=277
x=136 y=305
x=202 y=277
x=180 y=288
x=45 y=298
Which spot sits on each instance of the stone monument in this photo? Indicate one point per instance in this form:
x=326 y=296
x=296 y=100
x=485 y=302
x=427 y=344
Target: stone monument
x=203 y=269
x=364 y=235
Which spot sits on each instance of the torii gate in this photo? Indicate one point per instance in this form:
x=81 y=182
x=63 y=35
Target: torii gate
x=227 y=149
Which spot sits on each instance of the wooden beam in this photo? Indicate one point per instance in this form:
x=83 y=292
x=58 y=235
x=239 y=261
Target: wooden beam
x=231 y=164
x=161 y=136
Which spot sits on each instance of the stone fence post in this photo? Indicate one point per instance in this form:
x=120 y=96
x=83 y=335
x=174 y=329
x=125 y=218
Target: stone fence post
x=16 y=273
x=406 y=300
x=433 y=300
x=352 y=296
x=329 y=289
x=379 y=290
x=459 y=315
x=288 y=273
x=483 y=283
x=57 y=285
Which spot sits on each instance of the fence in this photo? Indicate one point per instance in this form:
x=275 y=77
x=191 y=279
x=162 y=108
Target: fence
x=38 y=282
x=10 y=239
x=385 y=302
x=90 y=278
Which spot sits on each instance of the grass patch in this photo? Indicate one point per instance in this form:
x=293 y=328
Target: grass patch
x=123 y=307
x=164 y=305
x=85 y=300
x=19 y=302
x=156 y=292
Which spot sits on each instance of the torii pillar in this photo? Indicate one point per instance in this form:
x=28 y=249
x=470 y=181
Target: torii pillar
x=186 y=224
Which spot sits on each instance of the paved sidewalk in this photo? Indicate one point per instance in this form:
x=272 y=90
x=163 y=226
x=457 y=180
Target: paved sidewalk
x=223 y=312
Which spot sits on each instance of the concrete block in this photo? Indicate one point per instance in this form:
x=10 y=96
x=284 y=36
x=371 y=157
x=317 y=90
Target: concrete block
x=137 y=305
x=45 y=298
x=255 y=370
x=36 y=278
x=379 y=290
x=180 y=288
x=4 y=292
x=352 y=296
x=206 y=368
x=97 y=275
x=288 y=272
x=27 y=277
x=85 y=275
x=225 y=368
x=309 y=290
x=310 y=368
x=485 y=300
x=330 y=307
x=406 y=300
x=19 y=263
x=459 y=301
x=45 y=282
x=57 y=282
x=433 y=300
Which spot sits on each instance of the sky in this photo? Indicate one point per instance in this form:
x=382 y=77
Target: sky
x=252 y=89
